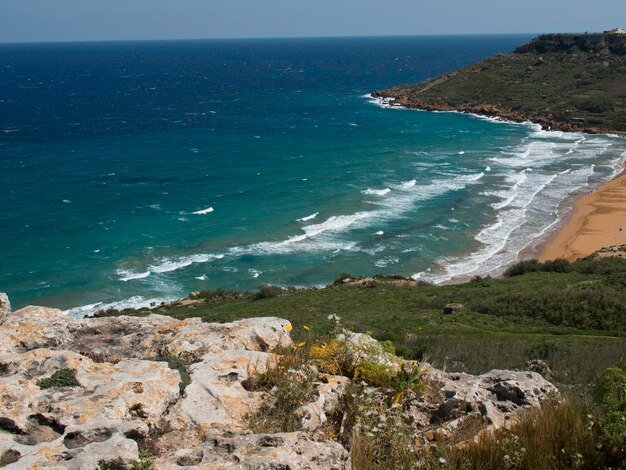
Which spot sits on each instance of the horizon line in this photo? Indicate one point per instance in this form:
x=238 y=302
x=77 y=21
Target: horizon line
x=252 y=38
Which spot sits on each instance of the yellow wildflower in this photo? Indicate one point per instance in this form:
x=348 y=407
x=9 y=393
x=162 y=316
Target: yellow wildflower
x=306 y=328
x=288 y=327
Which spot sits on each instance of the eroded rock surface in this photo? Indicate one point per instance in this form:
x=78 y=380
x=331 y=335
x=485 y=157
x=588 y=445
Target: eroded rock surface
x=125 y=393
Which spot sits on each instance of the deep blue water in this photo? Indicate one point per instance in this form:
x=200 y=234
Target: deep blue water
x=107 y=150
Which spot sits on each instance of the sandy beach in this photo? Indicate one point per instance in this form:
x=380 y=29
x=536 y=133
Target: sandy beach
x=598 y=220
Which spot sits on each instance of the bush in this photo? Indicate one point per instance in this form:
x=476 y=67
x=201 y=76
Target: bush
x=610 y=394
x=558 y=435
x=268 y=292
x=332 y=357
x=4 y=368
x=339 y=280
x=61 y=378
x=374 y=374
x=523 y=267
x=595 y=105
x=290 y=384
x=215 y=295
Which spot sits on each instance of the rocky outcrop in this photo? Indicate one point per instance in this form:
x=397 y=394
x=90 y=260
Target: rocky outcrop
x=5 y=307
x=123 y=393
x=606 y=43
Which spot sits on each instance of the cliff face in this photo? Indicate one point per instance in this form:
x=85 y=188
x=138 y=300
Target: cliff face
x=589 y=43
x=87 y=394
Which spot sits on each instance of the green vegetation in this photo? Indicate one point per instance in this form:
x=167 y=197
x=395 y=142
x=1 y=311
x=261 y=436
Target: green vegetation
x=570 y=316
x=559 y=435
x=61 y=378
x=181 y=365
x=290 y=384
x=564 y=320
x=557 y=80
x=610 y=395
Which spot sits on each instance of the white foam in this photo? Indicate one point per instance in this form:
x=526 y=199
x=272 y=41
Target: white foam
x=126 y=276
x=384 y=262
x=376 y=192
x=66 y=201
x=382 y=102
x=166 y=265
x=208 y=210
x=254 y=273
x=462 y=152
x=380 y=232
x=308 y=217
x=201 y=278
x=408 y=184
x=137 y=301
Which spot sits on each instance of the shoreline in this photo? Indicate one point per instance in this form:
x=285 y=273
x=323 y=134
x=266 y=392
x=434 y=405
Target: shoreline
x=489 y=111
x=597 y=220
x=535 y=249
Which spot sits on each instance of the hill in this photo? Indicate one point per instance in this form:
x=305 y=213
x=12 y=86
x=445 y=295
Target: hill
x=570 y=82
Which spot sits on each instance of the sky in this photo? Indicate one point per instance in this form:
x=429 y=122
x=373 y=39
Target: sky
x=89 y=20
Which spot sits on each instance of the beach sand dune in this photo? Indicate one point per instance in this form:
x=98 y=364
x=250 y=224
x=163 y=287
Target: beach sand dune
x=598 y=221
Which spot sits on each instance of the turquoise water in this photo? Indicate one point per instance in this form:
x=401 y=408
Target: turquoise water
x=133 y=172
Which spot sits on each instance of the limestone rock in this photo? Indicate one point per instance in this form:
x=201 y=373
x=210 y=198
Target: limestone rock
x=259 y=451
x=5 y=307
x=328 y=393
x=216 y=397
x=495 y=396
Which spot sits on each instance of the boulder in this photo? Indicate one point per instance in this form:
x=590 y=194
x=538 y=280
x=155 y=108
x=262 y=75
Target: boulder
x=5 y=307
x=495 y=397
x=449 y=309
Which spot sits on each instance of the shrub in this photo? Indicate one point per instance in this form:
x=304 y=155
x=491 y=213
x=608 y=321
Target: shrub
x=378 y=437
x=374 y=374
x=290 y=384
x=61 y=378
x=523 y=267
x=4 y=368
x=215 y=295
x=558 y=435
x=268 y=292
x=332 y=357
x=339 y=280
x=610 y=394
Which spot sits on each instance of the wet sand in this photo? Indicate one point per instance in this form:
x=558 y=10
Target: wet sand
x=598 y=221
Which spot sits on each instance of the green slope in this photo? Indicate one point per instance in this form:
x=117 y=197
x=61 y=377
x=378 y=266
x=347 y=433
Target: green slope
x=567 y=82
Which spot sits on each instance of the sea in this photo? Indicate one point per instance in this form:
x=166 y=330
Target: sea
x=138 y=172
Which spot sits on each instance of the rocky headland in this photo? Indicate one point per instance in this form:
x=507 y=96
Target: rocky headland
x=105 y=392
x=567 y=82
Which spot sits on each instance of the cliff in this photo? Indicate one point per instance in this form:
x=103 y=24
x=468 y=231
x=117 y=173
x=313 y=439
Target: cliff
x=560 y=81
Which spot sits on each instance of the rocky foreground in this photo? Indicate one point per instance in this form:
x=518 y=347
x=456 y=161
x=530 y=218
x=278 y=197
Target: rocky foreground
x=124 y=394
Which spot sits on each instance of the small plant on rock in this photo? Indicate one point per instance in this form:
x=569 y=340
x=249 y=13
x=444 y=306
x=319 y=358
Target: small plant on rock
x=61 y=378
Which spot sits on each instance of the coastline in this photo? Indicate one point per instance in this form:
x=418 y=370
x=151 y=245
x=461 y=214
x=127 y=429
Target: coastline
x=598 y=220
x=390 y=99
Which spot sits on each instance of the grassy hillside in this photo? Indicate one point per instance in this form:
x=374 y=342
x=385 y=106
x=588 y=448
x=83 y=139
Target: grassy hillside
x=571 y=316
x=567 y=82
